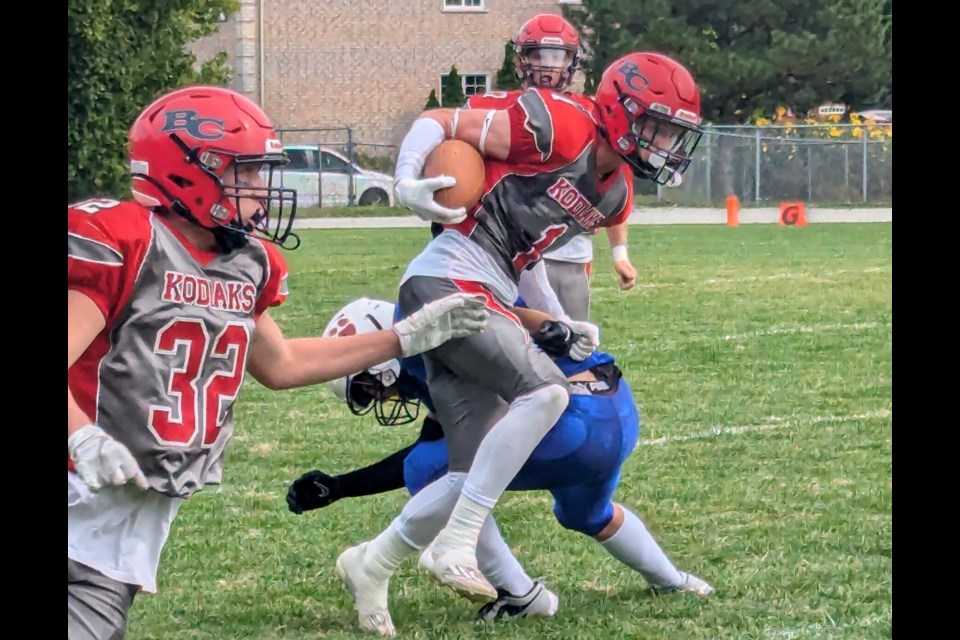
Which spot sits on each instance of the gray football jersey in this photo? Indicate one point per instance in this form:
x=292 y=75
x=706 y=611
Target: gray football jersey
x=163 y=376
x=546 y=192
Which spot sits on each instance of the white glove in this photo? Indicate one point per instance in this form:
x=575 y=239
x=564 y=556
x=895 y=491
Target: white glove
x=417 y=195
x=455 y=316
x=100 y=460
x=588 y=339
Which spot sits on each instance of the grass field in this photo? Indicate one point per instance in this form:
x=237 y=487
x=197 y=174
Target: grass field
x=760 y=357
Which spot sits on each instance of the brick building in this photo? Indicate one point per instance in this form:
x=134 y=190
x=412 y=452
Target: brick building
x=366 y=64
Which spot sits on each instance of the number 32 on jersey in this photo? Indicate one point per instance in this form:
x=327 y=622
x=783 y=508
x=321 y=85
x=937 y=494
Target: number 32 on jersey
x=198 y=402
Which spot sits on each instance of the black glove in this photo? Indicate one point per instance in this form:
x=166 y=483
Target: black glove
x=554 y=338
x=313 y=490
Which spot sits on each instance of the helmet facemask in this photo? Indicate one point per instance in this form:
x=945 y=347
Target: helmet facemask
x=276 y=206
x=384 y=393
x=669 y=140
x=546 y=62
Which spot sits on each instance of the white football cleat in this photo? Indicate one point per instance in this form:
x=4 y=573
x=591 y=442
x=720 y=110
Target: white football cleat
x=539 y=602
x=457 y=569
x=691 y=584
x=370 y=595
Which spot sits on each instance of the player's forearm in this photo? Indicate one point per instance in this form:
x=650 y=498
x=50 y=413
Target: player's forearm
x=534 y=287
x=487 y=130
x=316 y=360
x=425 y=135
x=380 y=477
x=618 y=238
x=531 y=319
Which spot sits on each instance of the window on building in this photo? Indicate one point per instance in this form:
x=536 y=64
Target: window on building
x=470 y=83
x=463 y=5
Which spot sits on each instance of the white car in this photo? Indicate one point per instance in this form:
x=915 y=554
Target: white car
x=322 y=178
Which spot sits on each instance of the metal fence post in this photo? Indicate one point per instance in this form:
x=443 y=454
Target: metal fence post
x=809 y=173
x=351 y=191
x=846 y=165
x=709 y=164
x=863 y=131
x=756 y=171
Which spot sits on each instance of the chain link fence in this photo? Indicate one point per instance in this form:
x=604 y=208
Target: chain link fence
x=819 y=164
x=833 y=164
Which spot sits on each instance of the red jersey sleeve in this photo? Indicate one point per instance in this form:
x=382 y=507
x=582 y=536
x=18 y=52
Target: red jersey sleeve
x=493 y=100
x=548 y=128
x=107 y=241
x=626 y=175
x=275 y=290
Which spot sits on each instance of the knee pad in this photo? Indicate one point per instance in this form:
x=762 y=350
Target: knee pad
x=552 y=398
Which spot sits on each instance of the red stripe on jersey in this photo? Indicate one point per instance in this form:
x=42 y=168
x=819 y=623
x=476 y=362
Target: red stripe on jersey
x=491 y=302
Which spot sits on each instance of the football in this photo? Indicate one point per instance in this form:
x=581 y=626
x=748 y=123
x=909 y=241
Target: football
x=464 y=163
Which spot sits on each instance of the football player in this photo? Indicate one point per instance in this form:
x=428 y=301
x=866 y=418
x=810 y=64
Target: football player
x=168 y=298
x=553 y=170
x=578 y=461
x=547 y=55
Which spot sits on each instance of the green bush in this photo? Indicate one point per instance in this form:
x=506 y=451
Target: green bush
x=453 y=90
x=507 y=78
x=122 y=55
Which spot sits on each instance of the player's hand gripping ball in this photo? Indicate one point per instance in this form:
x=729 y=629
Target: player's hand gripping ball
x=464 y=163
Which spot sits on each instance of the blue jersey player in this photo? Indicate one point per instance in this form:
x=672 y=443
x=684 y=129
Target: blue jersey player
x=578 y=462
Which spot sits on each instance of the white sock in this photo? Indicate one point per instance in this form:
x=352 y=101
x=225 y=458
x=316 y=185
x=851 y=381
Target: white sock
x=635 y=547
x=498 y=563
x=418 y=524
x=385 y=553
x=425 y=513
x=499 y=458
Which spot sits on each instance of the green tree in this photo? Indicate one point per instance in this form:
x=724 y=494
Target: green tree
x=752 y=55
x=452 y=95
x=432 y=102
x=122 y=55
x=507 y=75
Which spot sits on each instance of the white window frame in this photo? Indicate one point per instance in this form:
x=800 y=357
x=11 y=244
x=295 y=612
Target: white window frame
x=570 y=2
x=461 y=8
x=463 y=85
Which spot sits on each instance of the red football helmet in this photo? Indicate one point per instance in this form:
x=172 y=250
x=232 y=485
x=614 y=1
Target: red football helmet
x=556 y=45
x=649 y=105
x=182 y=145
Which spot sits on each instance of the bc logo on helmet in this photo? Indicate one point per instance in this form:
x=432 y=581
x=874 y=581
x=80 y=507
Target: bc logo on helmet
x=198 y=127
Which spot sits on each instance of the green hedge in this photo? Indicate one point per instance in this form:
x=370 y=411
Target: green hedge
x=122 y=54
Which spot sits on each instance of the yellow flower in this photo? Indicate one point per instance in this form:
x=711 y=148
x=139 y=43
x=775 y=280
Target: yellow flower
x=857 y=132
x=835 y=132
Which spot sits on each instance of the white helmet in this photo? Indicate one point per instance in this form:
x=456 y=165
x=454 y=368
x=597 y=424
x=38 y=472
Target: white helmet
x=364 y=390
